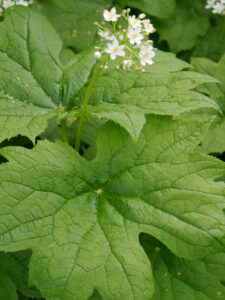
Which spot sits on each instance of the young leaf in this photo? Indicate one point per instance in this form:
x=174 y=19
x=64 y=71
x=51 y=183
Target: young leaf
x=182 y=279
x=214 y=140
x=33 y=82
x=82 y=218
x=73 y=19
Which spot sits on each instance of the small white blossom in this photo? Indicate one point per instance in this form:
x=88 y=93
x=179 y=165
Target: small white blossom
x=148 y=26
x=7 y=4
x=97 y=55
x=134 y=35
x=210 y=4
x=127 y=63
x=115 y=49
x=134 y=22
x=146 y=54
x=106 y=35
x=218 y=8
x=128 y=40
x=110 y=15
x=120 y=36
x=22 y=2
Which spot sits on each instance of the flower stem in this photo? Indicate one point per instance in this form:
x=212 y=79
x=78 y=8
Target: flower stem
x=222 y=33
x=64 y=131
x=84 y=108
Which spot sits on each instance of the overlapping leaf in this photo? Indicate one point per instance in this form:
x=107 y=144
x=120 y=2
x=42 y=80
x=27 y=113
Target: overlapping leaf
x=157 y=91
x=73 y=19
x=214 y=140
x=182 y=279
x=82 y=218
x=33 y=82
x=35 y=86
x=14 y=276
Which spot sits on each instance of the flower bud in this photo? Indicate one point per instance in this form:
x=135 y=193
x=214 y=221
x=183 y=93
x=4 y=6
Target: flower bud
x=97 y=55
x=142 y=16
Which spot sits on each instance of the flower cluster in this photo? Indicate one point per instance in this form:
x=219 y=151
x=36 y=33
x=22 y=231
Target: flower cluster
x=4 y=4
x=130 y=43
x=217 y=6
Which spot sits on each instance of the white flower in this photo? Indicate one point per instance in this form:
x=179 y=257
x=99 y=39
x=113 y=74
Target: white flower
x=146 y=54
x=110 y=15
x=22 y=2
x=218 y=8
x=127 y=63
x=115 y=49
x=210 y=3
x=97 y=55
x=7 y=4
x=134 y=35
x=1 y=10
x=106 y=35
x=134 y=22
x=120 y=36
x=148 y=26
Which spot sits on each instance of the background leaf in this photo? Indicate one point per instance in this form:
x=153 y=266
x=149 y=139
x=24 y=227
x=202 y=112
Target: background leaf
x=73 y=19
x=177 y=278
x=160 y=8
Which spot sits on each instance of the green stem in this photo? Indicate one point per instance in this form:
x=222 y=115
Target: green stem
x=64 y=132
x=222 y=32
x=84 y=108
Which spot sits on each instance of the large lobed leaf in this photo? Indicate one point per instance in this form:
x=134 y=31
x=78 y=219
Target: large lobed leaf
x=82 y=218
x=33 y=82
x=214 y=140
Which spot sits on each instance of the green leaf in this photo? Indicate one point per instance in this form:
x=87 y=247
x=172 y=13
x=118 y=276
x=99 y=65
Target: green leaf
x=155 y=91
x=160 y=8
x=82 y=218
x=14 y=276
x=182 y=279
x=211 y=45
x=7 y=288
x=183 y=29
x=73 y=19
x=214 y=140
x=31 y=94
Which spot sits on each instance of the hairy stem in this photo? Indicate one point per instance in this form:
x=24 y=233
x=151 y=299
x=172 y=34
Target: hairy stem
x=64 y=132
x=85 y=106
